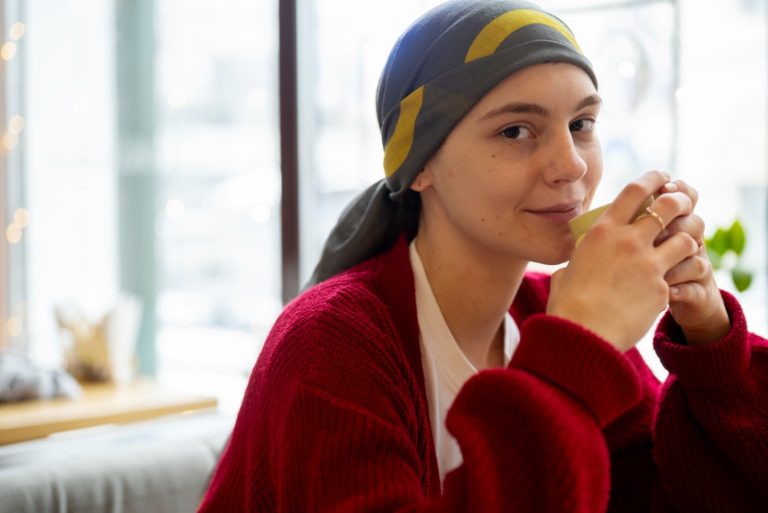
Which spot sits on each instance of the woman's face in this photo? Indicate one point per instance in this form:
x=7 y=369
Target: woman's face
x=522 y=163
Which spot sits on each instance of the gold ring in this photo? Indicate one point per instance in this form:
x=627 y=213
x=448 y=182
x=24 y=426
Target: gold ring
x=651 y=213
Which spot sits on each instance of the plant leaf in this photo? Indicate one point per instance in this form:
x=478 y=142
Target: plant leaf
x=718 y=243
x=737 y=238
x=741 y=279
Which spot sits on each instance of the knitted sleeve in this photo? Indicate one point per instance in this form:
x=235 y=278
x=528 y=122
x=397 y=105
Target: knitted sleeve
x=531 y=435
x=711 y=430
x=628 y=436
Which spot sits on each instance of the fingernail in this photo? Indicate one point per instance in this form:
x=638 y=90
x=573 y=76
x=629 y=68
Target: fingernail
x=671 y=186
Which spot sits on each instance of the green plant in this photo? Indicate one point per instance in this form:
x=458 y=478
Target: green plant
x=725 y=248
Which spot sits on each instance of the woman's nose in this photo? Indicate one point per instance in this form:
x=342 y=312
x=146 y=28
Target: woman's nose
x=564 y=163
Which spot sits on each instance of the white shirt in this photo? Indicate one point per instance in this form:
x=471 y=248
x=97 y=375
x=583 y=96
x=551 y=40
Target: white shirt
x=446 y=367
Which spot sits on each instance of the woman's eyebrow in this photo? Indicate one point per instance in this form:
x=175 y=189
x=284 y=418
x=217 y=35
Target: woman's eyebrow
x=592 y=99
x=516 y=108
x=533 y=108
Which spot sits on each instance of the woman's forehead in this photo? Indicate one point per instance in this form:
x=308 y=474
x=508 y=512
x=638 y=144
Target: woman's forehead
x=538 y=84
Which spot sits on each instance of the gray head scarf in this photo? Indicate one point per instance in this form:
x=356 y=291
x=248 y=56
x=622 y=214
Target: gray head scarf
x=437 y=71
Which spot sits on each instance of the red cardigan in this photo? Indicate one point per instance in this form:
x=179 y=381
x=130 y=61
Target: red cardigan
x=335 y=415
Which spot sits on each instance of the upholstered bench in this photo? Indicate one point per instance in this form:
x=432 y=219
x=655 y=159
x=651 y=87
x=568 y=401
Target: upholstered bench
x=156 y=466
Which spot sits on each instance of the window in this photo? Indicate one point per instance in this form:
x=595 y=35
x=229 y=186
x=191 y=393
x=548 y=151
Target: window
x=150 y=166
x=141 y=152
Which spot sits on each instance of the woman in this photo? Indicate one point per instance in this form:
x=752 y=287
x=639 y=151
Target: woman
x=427 y=371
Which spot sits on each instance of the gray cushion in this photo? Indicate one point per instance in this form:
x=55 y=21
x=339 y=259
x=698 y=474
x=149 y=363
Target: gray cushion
x=160 y=466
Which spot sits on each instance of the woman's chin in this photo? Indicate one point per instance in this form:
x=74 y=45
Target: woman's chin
x=556 y=255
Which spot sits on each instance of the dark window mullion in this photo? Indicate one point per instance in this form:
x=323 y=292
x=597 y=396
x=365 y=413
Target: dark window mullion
x=289 y=156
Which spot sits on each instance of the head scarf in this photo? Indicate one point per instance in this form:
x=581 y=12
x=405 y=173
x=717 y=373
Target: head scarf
x=437 y=71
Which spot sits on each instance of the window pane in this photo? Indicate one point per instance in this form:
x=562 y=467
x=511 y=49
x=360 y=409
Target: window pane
x=219 y=192
x=68 y=163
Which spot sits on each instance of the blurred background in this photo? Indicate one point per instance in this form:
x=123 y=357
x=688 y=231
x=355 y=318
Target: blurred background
x=141 y=154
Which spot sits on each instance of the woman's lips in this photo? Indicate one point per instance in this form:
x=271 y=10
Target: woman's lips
x=558 y=214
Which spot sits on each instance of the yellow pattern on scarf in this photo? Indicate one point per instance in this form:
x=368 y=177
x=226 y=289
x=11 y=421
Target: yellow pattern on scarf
x=493 y=34
x=399 y=145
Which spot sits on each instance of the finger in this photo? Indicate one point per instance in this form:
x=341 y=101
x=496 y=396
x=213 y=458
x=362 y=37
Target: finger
x=681 y=186
x=626 y=204
x=690 y=292
x=654 y=222
x=662 y=211
x=676 y=249
x=693 y=225
x=693 y=268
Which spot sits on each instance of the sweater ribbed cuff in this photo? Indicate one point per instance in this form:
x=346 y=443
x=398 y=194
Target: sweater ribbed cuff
x=580 y=362
x=711 y=365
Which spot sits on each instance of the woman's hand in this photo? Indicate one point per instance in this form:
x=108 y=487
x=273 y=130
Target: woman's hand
x=694 y=297
x=615 y=283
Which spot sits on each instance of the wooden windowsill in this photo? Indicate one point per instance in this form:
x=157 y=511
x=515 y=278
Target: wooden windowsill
x=99 y=404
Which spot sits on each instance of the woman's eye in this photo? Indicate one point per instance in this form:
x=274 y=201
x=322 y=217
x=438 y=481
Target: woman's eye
x=516 y=132
x=582 y=125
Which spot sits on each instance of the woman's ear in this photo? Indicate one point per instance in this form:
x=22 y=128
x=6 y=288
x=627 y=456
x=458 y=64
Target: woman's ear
x=422 y=181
